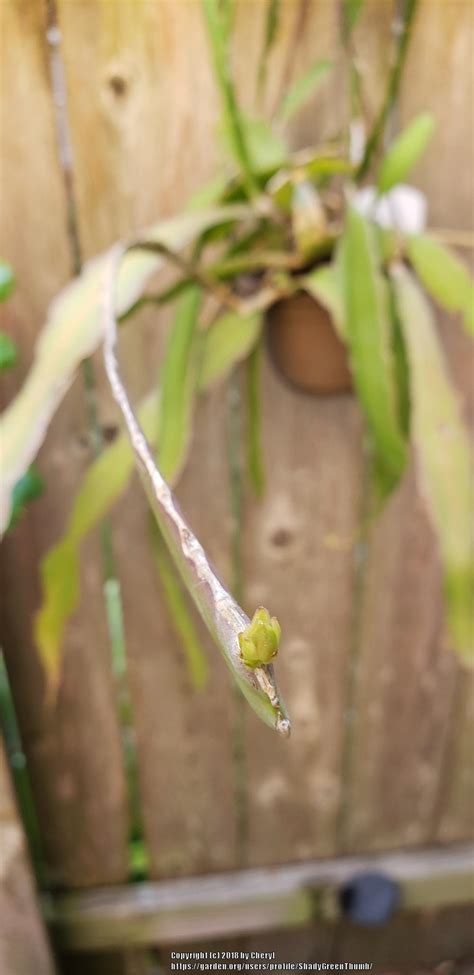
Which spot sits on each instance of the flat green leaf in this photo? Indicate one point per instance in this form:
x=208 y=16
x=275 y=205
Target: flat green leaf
x=266 y=150
x=178 y=378
x=442 y=454
x=404 y=152
x=73 y=331
x=444 y=276
x=369 y=337
x=326 y=285
x=208 y=195
x=272 y=20
x=177 y=606
x=218 y=39
x=102 y=484
x=304 y=88
x=351 y=10
x=229 y=339
x=7 y=280
x=8 y=352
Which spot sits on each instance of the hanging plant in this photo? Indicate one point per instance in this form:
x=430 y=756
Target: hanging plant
x=336 y=275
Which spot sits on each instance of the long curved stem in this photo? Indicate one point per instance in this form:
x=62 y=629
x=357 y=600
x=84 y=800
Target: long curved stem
x=223 y=616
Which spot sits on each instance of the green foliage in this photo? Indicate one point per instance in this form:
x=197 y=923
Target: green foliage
x=177 y=606
x=405 y=152
x=325 y=284
x=271 y=29
x=229 y=339
x=7 y=280
x=265 y=149
x=178 y=378
x=444 y=276
x=369 y=338
x=102 y=485
x=27 y=489
x=225 y=343
x=8 y=352
x=351 y=10
x=73 y=331
x=218 y=38
x=442 y=451
x=304 y=88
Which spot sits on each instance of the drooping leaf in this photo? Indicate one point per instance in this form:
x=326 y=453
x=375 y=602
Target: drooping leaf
x=369 y=337
x=178 y=378
x=7 y=280
x=177 y=606
x=351 y=10
x=444 y=276
x=442 y=454
x=101 y=486
x=8 y=352
x=227 y=341
x=405 y=152
x=266 y=150
x=255 y=463
x=27 y=489
x=304 y=88
x=106 y=480
x=72 y=332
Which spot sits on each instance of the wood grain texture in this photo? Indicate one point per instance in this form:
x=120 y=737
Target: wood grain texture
x=143 y=109
x=24 y=949
x=73 y=749
x=410 y=773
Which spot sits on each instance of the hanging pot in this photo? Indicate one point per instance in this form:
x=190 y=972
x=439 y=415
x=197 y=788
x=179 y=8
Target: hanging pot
x=305 y=347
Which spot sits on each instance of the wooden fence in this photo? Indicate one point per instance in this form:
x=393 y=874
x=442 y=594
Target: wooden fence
x=380 y=756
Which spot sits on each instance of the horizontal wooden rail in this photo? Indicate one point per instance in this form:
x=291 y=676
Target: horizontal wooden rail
x=248 y=901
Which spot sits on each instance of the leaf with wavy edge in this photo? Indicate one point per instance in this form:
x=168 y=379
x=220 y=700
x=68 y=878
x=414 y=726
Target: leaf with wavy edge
x=72 y=333
x=442 y=455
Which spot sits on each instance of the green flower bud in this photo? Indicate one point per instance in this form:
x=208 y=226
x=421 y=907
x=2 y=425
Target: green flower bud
x=261 y=640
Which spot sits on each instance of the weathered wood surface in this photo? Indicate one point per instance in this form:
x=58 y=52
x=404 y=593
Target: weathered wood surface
x=24 y=949
x=74 y=750
x=411 y=778
x=252 y=901
x=142 y=107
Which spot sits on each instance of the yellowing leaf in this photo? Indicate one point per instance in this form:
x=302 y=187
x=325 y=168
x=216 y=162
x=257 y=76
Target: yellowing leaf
x=227 y=341
x=405 y=152
x=444 y=276
x=442 y=453
x=72 y=332
x=102 y=484
x=369 y=337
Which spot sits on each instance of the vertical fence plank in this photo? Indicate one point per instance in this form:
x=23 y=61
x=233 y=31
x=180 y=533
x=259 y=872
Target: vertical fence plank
x=410 y=735
x=23 y=946
x=143 y=110
x=73 y=747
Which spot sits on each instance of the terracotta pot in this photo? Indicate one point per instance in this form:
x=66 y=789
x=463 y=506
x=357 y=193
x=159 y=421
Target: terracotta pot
x=305 y=346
